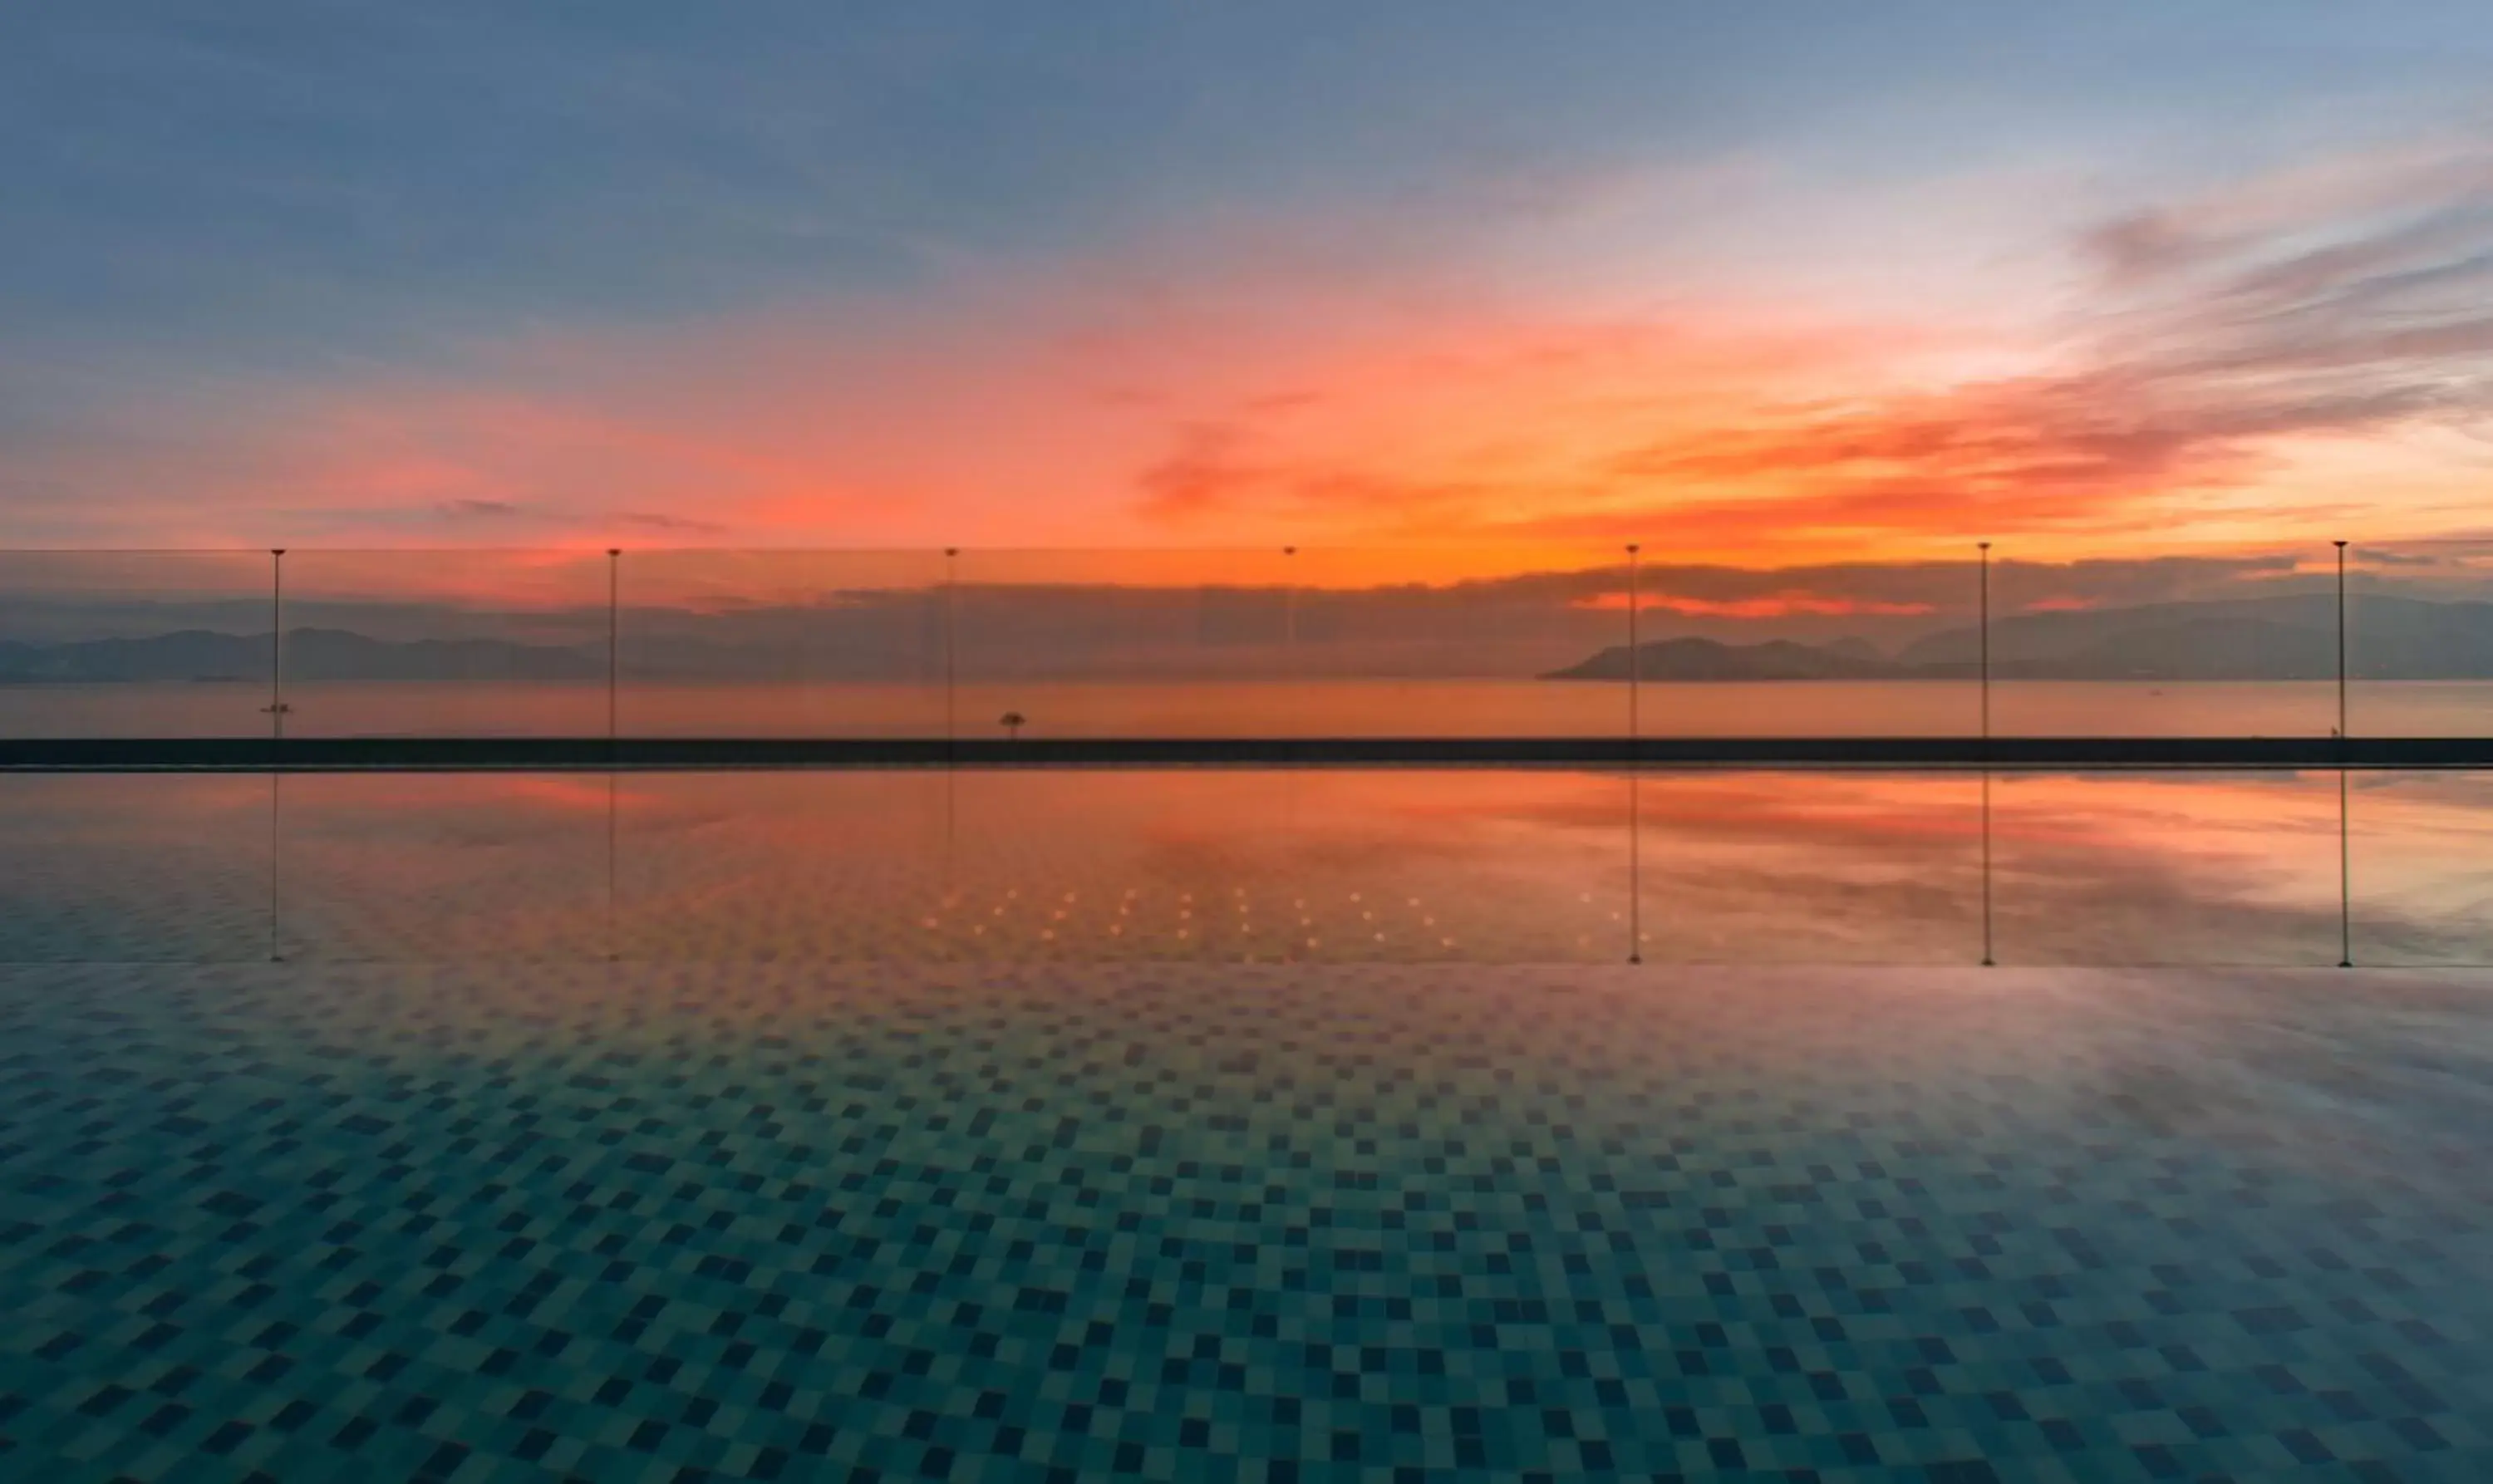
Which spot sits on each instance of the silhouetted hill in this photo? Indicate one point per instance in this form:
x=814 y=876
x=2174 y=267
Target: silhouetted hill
x=2286 y=638
x=310 y=655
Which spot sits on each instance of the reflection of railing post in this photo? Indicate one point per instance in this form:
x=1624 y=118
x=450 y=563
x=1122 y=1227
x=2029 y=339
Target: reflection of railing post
x=1291 y=778
x=1984 y=641
x=1987 y=946
x=951 y=759
x=2345 y=878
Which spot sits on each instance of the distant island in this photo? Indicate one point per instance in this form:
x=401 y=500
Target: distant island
x=2292 y=638
x=2288 y=637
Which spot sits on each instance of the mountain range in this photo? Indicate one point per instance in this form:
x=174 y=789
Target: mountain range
x=2293 y=638
x=2283 y=638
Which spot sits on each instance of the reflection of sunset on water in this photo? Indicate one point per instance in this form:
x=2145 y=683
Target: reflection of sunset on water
x=1382 y=865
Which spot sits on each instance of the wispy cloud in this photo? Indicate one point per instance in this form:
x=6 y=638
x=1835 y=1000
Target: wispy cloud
x=650 y=520
x=2268 y=358
x=2209 y=341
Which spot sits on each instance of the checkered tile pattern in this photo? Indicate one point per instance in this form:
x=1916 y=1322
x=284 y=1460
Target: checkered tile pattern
x=1348 y=1222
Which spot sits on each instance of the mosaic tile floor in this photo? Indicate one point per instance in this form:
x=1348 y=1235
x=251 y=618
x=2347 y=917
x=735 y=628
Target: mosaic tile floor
x=1371 y=1223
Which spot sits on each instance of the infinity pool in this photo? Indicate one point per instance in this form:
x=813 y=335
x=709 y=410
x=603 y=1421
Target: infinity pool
x=1378 y=866
x=716 y=1220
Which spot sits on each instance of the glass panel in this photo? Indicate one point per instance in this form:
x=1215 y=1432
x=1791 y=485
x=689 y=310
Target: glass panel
x=2419 y=639
x=2166 y=868
x=783 y=644
x=1124 y=644
x=2178 y=646
x=1857 y=650
x=431 y=866
x=1458 y=642
x=1534 y=643
x=2422 y=867
x=741 y=866
x=133 y=643
x=1814 y=867
x=446 y=643
x=125 y=867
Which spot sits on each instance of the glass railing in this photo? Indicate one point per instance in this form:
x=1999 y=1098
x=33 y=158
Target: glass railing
x=2186 y=646
x=1442 y=643
x=443 y=644
x=1120 y=645
x=1597 y=862
x=1580 y=640
x=2419 y=638
x=782 y=643
x=137 y=643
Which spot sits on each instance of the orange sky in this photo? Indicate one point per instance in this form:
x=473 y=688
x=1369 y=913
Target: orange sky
x=1532 y=373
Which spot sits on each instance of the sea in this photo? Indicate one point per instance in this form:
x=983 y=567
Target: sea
x=1357 y=708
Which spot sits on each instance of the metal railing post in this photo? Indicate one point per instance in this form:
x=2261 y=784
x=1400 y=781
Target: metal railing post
x=1636 y=765
x=1289 y=613
x=1989 y=941
x=614 y=736
x=951 y=642
x=276 y=739
x=2341 y=639
x=1982 y=639
x=2345 y=823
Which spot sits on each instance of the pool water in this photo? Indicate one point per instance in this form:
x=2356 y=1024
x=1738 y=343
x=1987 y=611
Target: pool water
x=1223 y=866
x=694 y=1220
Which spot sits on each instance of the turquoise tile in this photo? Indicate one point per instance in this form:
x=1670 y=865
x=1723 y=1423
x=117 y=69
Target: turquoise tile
x=703 y=1222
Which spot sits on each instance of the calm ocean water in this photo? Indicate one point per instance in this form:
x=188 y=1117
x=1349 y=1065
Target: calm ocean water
x=1267 y=709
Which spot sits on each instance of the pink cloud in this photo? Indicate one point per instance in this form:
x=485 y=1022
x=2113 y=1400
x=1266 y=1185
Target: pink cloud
x=1281 y=386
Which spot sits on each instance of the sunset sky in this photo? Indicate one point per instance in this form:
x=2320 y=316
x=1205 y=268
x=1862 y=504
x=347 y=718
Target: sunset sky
x=1774 y=283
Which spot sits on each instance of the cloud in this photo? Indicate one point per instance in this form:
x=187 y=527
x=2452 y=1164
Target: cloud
x=2274 y=356
x=2222 y=340
x=652 y=521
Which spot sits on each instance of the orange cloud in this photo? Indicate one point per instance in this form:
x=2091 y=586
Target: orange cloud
x=2220 y=383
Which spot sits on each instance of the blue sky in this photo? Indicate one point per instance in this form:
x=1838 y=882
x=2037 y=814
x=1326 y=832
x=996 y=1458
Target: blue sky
x=219 y=225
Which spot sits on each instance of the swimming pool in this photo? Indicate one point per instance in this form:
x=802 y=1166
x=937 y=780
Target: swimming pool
x=690 y=1220
x=1248 y=865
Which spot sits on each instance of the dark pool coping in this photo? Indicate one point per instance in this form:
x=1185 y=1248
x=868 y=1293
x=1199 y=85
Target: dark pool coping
x=255 y=755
